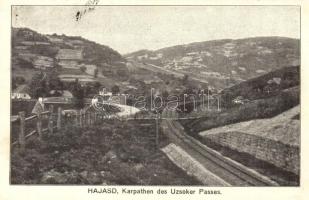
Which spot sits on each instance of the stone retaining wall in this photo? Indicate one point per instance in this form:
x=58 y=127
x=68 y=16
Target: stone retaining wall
x=277 y=153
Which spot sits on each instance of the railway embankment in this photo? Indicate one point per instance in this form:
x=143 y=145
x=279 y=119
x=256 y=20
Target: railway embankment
x=273 y=140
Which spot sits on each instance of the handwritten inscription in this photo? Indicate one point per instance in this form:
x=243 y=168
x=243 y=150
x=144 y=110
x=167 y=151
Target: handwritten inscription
x=90 y=6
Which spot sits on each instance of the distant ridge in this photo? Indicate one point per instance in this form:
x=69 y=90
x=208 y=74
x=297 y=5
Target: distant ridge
x=226 y=62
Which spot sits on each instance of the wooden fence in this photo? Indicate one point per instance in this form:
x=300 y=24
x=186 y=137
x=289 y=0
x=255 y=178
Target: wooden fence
x=55 y=121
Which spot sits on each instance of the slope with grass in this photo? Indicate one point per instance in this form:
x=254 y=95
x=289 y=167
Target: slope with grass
x=275 y=140
x=33 y=52
x=109 y=153
x=263 y=133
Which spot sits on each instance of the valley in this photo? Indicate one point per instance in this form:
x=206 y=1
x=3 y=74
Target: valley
x=252 y=117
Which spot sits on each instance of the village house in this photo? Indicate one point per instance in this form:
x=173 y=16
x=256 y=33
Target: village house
x=82 y=79
x=69 y=58
x=21 y=92
x=61 y=93
x=43 y=62
x=105 y=94
x=240 y=100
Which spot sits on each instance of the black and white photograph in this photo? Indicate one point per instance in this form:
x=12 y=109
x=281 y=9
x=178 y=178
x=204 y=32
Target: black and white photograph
x=155 y=95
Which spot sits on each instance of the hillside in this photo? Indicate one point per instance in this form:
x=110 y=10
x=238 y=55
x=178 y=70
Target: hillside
x=107 y=153
x=32 y=52
x=283 y=127
x=224 y=62
x=270 y=145
x=265 y=86
x=261 y=132
x=267 y=95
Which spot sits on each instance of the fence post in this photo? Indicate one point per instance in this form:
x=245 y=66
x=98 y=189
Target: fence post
x=76 y=118
x=157 y=131
x=91 y=118
x=59 y=119
x=21 y=137
x=95 y=116
x=84 y=117
x=39 y=125
x=88 y=117
x=50 y=120
x=81 y=117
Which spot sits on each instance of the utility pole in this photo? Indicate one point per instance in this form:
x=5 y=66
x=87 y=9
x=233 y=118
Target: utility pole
x=157 y=129
x=208 y=98
x=218 y=103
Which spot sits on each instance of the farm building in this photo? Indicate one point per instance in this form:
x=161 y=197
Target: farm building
x=69 y=54
x=69 y=58
x=69 y=64
x=21 y=92
x=61 y=93
x=82 y=79
x=43 y=62
x=240 y=100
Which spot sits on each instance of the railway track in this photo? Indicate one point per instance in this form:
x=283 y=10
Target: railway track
x=229 y=170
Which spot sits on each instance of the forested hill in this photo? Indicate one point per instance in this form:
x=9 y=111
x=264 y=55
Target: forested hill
x=225 y=62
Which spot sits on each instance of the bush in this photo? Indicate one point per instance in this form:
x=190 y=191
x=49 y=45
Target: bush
x=83 y=68
x=109 y=153
x=25 y=63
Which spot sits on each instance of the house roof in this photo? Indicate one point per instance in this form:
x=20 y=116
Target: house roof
x=57 y=100
x=239 y=98
x=64 y=93
x=22 y=89
x=69 y=54
x=67 y=93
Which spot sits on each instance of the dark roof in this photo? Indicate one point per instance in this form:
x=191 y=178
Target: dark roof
x=22 y=89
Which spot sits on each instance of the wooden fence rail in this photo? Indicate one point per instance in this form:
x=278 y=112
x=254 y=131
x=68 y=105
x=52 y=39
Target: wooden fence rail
x=82 y=118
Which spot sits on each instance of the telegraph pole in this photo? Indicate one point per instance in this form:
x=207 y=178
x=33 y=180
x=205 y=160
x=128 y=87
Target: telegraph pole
x=158 y=117
x=157 y=129
x=208 y=97
x=218 y=103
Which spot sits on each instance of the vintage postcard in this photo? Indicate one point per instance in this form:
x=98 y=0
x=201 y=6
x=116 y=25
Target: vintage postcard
x=156 y=100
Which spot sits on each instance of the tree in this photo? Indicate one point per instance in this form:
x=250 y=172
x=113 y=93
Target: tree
x=91 y=89
x=78 y=94
x=115 y=89
x=83 y=68
x=25 y=63
x=95 y=73
x=165 y=94
x=17 y=80
x=185 y=79
x=54 y=82
x=121 y=72
x=97 y=86
x=38 y=85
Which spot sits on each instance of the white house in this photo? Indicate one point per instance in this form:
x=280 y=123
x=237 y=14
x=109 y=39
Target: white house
x=240 y=100
x=105 y=94
x=21 y=92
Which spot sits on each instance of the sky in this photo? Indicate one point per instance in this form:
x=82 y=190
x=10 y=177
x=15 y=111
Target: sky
x=130 y=28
